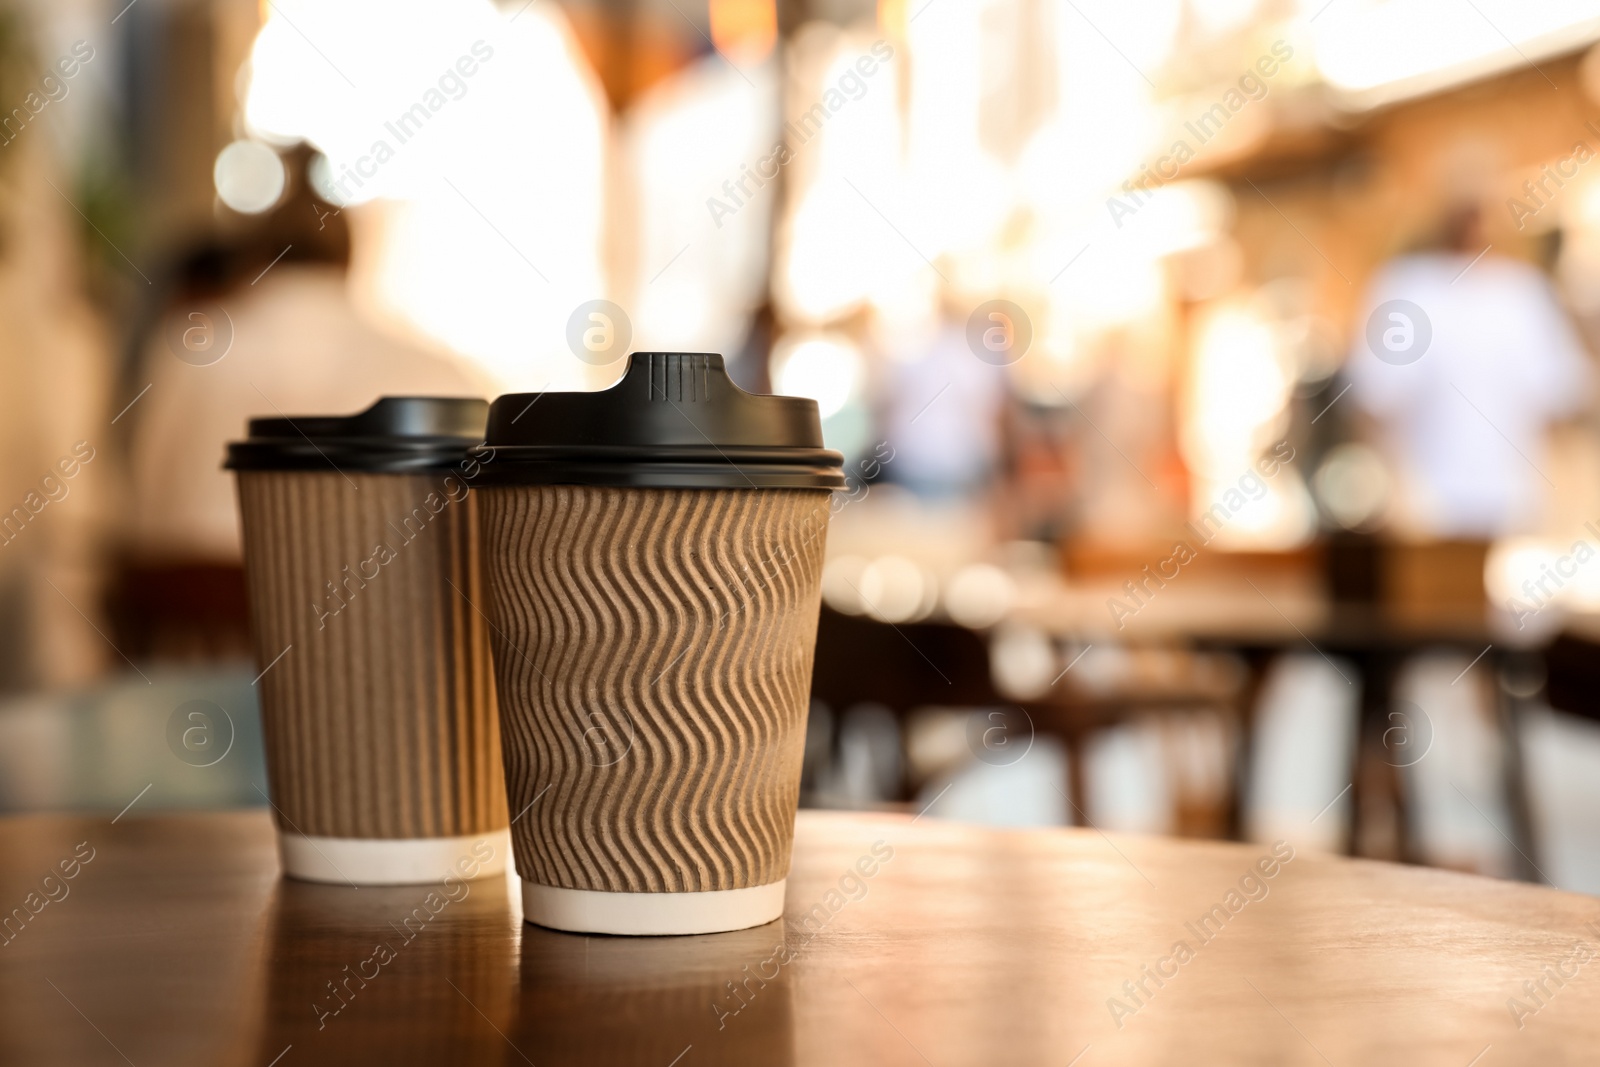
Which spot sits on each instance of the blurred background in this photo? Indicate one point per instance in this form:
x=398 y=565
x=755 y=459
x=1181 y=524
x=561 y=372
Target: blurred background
x=1215 y=377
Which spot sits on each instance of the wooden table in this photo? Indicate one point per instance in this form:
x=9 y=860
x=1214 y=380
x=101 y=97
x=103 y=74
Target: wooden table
x=178 y=944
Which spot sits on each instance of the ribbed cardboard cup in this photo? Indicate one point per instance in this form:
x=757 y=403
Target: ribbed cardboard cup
x=653 y=649
x=377 y=691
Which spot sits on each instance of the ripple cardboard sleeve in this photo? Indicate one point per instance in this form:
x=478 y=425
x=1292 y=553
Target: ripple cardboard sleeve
x=377 y=690
x=654 y=556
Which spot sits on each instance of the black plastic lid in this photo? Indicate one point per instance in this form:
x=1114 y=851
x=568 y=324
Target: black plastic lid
x=397 y=434
x=675 y=420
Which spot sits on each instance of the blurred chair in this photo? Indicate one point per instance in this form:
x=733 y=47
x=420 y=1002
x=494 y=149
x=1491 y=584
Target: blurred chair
x=1572 y=674
x=180 y=612
x=914 y=666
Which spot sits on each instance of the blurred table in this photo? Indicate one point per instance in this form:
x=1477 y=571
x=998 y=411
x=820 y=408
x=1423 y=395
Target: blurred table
x=1368 y=644
x=1245 y=623
x=178 y=944
x=98 y=746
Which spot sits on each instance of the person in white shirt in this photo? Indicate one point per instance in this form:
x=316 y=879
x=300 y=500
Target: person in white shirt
x=1464 y=358
x=284 y=340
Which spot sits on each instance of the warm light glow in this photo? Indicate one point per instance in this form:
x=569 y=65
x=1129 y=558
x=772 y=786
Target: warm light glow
x=895 y=589
x=1237 y=392
x=979 y=595
x=1278 y=512
x=905 y=201
x=1585 y=587
x=699 y=241
x=1097 y=277
x=744 y=30
x=479 y=242
x=954 y=194
x=1219 y=15
x=1364 y=46
x=892 y=17
x=248 y=176
x=841 y=584
x=1513 y=568
x=1233 y=417
x=836 y=251
x=1354 y=485
x=1022 y=660
x=1589 y=206
x=1179 y=217
x=1538 y=579
x=825 y=367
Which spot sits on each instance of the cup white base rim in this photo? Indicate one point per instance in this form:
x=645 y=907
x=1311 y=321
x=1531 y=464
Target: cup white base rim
x=390 y=861
x=587 y=911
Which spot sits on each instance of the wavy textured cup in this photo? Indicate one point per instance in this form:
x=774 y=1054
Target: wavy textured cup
x=377 y=697
x=653 y=649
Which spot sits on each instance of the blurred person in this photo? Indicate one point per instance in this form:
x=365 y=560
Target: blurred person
x=261 y=324
x=54 y=381
x=943 y=407
x=1464 y=359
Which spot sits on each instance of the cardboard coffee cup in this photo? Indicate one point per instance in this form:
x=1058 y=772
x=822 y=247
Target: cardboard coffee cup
x=654 y=554
x=377 y=691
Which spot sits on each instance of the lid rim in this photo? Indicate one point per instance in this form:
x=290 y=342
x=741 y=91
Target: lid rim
x=621 y=477
x=724 y=454
x=672 y=419
x=276 y=457
x=709 y=467
x=394 y=434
